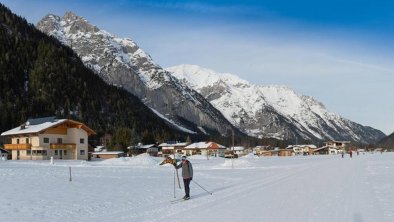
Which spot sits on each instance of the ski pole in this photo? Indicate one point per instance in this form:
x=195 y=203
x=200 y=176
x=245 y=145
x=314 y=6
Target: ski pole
x=177 y=176
x=201 y=187
x=174 y=184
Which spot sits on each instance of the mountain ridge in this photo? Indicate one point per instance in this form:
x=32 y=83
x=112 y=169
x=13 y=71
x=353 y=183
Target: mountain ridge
x=120 y=61
x=272 y=111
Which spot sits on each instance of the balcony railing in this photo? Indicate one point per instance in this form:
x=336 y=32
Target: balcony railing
x=63 y=146
x=23 y=146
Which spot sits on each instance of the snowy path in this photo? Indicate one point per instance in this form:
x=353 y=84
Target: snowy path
x=297 y=189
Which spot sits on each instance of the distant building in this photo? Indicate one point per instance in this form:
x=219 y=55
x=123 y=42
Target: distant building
x=151 y=149
x=204 y=148
x=307 y=149
x=239 y=150
x=340 y=145
x=277 y=152
x=259 y=150
x=107 y=154
x=41 y=138
x=172 y=147
x=337 y=147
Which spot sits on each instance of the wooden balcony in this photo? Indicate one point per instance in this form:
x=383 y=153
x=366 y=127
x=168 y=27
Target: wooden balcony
x=63 y=146
x=24 y=146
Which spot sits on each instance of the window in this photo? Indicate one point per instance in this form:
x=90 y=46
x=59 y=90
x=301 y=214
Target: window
x=59 y=140
x=44 y=152
x=46 y=140
x=82 y=152
x=27 y=140
x=28 y=152
x=65 y=152
x=17 y=141
x=82 y=140
x=56 y=152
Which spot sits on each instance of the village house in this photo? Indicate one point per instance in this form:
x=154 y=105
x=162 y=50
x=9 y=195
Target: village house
x=204 y=148
x=107 y=154
x=100 y=152
x=172 y=147
x=239 y=150
x=338 y=145
x=307 y=149
x=151 y=149
x=260 y=150
x=277 y=152
x=332 y=147
x=42 y=138
x=321 y=151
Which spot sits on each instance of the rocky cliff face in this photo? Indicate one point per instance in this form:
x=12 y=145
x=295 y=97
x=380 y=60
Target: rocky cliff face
x=272 y=111
x=121 y=62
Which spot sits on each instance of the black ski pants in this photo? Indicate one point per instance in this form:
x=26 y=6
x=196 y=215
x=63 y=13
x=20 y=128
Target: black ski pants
x=186 y=183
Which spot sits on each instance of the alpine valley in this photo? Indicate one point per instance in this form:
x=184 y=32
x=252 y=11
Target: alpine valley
x=272 y=111
x=199 y=100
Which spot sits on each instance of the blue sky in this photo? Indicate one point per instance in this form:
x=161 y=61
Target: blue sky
x=340 y=52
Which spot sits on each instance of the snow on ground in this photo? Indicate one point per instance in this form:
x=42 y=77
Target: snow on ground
x=277 y=189
x=139 y=161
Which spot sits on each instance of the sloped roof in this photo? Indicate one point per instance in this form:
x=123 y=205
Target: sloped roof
x=205 y=145
x=40 y=124
x=173 y=144
x=146 y=146
x=302 y=146
x=108 y=153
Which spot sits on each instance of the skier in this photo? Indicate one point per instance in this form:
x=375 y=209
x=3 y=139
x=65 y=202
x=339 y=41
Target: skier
x=343 y=152
x=350 y=152
x=187 y=174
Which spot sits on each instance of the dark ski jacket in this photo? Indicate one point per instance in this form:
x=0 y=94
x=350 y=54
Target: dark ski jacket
x=187 y=169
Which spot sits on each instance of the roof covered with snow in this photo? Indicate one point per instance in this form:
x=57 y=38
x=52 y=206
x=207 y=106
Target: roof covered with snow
x=38 y=125
x=238 y=148
x=302 y=146
x=176 y=144
x=205 y=145
x=108 y=153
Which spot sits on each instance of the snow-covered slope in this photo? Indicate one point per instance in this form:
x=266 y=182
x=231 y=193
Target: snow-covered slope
x=121 y=62
x=271 y=111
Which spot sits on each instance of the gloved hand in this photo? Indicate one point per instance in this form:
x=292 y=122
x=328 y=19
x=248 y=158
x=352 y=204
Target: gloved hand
x=174 y=164
x=191 y=178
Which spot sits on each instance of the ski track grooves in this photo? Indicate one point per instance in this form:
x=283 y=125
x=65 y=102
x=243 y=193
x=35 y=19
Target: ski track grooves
x=165 y=210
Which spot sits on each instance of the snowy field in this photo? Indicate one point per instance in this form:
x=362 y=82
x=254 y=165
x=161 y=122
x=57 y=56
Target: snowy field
x=296 y=189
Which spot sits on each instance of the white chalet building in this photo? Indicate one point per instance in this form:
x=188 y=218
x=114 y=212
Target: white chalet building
x=41 y=138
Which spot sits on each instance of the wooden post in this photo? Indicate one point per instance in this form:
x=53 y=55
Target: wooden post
x=70 y=174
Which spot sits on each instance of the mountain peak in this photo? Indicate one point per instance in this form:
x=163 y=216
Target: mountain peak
x=71 y=16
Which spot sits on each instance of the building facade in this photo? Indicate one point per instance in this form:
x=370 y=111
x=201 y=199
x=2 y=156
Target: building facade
x=42 y=138
x=205 y=149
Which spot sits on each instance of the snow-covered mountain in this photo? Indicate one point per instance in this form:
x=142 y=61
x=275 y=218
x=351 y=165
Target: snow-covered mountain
x=271 y=111
x=121 y=62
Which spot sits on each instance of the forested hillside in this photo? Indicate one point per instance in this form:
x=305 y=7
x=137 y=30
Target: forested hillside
x=41 y=77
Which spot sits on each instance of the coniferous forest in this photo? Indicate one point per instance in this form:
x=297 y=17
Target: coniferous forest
x=41 y=77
